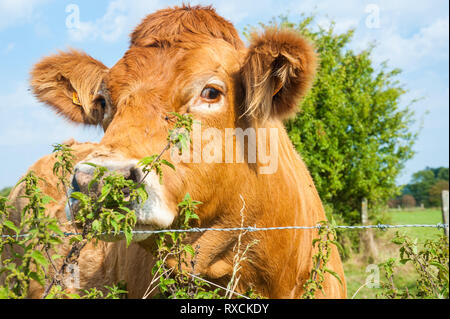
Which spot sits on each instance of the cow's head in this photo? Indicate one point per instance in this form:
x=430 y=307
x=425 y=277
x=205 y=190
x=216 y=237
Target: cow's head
x=184 y=60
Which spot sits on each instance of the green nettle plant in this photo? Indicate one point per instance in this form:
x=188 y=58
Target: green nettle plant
x=29 y=254
x=103 y=211
x=107 y=212
x=176 y=282
x=430 y=261
x=63 y=166
x=99 y=213
x=326 y=237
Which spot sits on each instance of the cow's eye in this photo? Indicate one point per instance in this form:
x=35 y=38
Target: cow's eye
x=102 y=103
x=210 y=94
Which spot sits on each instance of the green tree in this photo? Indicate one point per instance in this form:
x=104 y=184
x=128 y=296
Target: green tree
x=352 y=131
x=422 y=181
x=442 y=173
x=5 y=191
x=435 y=195
x=426 y=184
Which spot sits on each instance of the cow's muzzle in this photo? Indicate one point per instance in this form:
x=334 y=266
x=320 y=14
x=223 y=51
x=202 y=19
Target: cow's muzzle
x=153 y=213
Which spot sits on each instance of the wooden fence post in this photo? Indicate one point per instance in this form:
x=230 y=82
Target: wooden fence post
x=367 y=240
x=364 y=214
x=445 y=210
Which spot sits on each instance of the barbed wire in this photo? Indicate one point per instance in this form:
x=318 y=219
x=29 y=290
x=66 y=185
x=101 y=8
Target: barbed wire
x=254 y=228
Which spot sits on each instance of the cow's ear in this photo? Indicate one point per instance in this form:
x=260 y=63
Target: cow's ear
x=277 y=72
x=70 y=83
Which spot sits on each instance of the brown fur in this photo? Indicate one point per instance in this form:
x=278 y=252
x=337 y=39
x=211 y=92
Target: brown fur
x=153 y=79
x=173 y=25
x=280 y=63
x=57 y=77
x=99 y=264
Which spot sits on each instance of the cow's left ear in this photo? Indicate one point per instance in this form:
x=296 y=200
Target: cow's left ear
x=277 y=72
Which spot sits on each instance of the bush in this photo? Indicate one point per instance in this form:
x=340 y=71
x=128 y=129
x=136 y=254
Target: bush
x=408 y=201
x=352 y=131
x=430 y=260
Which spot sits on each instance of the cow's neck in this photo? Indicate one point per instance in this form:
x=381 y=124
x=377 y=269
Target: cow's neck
x=285 y=198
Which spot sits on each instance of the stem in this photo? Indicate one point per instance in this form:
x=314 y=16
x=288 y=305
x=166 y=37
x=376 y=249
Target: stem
x=155 y=160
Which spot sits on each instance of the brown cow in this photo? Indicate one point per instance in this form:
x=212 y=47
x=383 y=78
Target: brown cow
x=190 y=60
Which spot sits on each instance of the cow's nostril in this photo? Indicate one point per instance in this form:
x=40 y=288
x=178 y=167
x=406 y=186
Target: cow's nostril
x=75 y=186
x=134 y=175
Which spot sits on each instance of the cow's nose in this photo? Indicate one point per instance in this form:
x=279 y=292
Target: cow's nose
x=83 y=181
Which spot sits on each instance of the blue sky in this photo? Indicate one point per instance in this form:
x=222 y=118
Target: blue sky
x=411 y=35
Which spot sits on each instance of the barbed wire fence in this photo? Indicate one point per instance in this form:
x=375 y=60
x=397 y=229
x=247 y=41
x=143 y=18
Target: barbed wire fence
x=443 y=226
x=254 y=229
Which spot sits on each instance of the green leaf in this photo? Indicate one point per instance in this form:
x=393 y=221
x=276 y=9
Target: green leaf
x=39 y=258
x=47 y=199
x=163 y=161
x=128 y=236
x=338 y=245
x=398 y=240
x=96 y=225
x=11 y=226
x=404 y=261
x=126 y=209
x=4 y=294
x=80 y=196
x=115 y=225
x=147 y=160
x=74 y=239
x=106 y=189
x=440 y=266
x=189 y=249
x=142 y=194
x=333 y=273
x=55 y=229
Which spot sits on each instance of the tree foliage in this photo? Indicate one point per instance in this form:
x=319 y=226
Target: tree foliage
x=352 y=131
x=5 y=191
x=427 y=185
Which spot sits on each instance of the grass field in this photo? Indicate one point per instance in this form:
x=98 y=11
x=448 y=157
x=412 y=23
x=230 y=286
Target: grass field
x=355 y=267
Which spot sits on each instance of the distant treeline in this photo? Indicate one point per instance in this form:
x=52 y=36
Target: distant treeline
x=5 y=191
x=425 y=188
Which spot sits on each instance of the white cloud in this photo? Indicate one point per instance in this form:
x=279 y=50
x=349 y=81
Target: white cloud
x=9 y=47
x=426 y=47
x=24 y=121
x=14 y=12
x=108 y=28
x=119 y=19
x=409 y=36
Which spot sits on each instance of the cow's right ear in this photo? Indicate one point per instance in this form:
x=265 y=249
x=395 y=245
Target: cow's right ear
x=70 y=83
